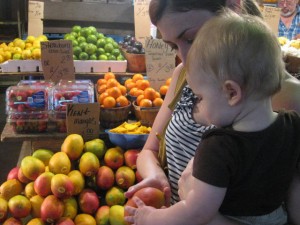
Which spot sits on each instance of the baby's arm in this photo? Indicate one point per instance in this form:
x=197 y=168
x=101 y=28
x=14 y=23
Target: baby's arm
x=293 y=201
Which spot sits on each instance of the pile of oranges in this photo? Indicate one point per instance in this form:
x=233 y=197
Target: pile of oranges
x=111 y=93
x=145 y=95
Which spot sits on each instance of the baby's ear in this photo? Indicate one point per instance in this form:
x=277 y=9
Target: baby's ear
x=233 y=92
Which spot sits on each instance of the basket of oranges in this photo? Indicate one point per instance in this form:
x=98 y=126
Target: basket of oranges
x=114 y=105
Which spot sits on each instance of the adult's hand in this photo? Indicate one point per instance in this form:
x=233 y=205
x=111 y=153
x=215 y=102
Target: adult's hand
x=159 y=183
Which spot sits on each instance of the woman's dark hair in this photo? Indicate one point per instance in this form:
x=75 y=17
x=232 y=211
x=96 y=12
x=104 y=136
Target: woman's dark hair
x=158 y=7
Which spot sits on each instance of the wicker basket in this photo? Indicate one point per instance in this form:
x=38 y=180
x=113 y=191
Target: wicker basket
x=145 y=115
x=113 y=117
x=292 y=64
x=136 y=63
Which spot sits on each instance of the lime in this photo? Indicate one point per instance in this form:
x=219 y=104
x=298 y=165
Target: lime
x=17 y=56
x=69 y=37
x=93 y=57
x=83 y=45
x=115 y=44
x=83 y=56
x=91 y=39
x=108 y=47
x=74 y=43
x=77 y=50
x=102 y=57
x=81 y=39
x=109 y=40
x=100 y=35
x=90 y=48
x=116 y=52
x=75 y=57
x=120 y=57
x=100 y=51
x=101 y=43
x=76 y=28
x=112 y=57
x=74 y=34
x=93 y=30
x=85 y=32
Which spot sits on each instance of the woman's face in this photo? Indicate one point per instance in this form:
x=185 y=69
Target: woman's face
x=178 y=29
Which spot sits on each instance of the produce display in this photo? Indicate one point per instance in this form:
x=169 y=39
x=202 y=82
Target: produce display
x=89 y=44
x=30 y=48
x=131 y=45
x=83 y=183
x=291 y=53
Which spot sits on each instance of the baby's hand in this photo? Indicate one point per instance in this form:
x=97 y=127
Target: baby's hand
x=185 y=181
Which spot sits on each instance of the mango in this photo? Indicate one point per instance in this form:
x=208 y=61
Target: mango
x=52 y=209
x=32 y=167
x=10 y=188
x=73 y=146
x=13 y=173
x=130 y=157
x=29 y=190
x=102 y=215
x=78 y=181
x=96 y=146
x=65 y=221
x=71 y=207
x=88 y=201
x=115 y=196
x=84 y=219
x=12 y=221
x=105 y=178
x=59 y=163
x=36 y=221
x=19 y=206
x=36 y=203
x=22 y=177
x=42 y=184
x=114 y=157
x=62 y=186
x=89 y=164
x=44 y=155
x=3 y=209
x=125 y=177
x=116 y=215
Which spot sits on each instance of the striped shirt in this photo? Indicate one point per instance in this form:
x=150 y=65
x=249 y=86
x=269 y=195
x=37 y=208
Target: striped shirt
x=183 y=136
x=291 y=32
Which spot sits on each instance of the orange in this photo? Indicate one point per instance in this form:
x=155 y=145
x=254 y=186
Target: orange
x=101 y=97
x=122 y=101
x=101 y=81
x=168 y=81
x=109 y=75
x=138 y=92
x=130 y=85
x=139 y=98
x=102 y=88
x=123 y=89
x=158 y=102
x=150 y=93
x=132 y=91
x=142 y=84
x=109 y=102
x=157 y=95
x=128 y=81
x=163 y=89
x=145 y=103
x=112 y=83
x=137 y=77
x=114 y=92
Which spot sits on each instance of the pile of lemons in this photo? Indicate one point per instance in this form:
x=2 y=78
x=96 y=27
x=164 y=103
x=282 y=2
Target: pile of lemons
x=30 y=48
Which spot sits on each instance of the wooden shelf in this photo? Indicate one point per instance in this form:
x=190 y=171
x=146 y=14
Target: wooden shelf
x=23 y=74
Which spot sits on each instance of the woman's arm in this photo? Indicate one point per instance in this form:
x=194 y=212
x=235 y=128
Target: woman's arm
x=147 y=162
x=293 y=201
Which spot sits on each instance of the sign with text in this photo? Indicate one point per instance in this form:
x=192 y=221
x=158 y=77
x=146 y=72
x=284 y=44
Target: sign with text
x=83 y=119
x=142 y=24
x=57 y=60
x=160 y=61
x=35 y=16
x=272 y=16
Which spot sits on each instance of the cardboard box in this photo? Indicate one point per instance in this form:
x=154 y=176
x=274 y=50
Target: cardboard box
x=95 y=66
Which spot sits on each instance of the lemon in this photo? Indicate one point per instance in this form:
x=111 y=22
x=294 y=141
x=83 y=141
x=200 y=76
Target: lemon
x=30 y=39
x=1 y=59
x=26 y=54
x=36 y=53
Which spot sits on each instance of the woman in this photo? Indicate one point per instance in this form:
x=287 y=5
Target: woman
x=178 y=22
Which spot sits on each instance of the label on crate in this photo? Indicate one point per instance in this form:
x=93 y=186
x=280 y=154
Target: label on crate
x=160 y=61
x=83 y=119
x=57 y=60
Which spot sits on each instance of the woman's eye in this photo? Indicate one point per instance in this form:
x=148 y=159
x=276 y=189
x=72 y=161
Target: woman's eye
x=190 y=41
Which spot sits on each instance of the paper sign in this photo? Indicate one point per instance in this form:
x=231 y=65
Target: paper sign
x=57 y=60
x=83 y=119
x=35 y=16
x=272 y=16
x=142 y=24
x=160 y=62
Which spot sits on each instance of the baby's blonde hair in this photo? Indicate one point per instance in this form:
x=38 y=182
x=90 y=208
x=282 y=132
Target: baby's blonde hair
x=241 y=48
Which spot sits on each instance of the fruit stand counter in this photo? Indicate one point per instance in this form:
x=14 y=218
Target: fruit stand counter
x=83 y=74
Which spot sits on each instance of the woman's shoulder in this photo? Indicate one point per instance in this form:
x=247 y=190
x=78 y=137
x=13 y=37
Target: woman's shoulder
x=289 y=95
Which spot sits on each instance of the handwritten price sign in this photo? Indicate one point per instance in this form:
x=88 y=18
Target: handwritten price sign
x=57 y=60
x=272 y=16
x=160 y=61
x=142 y=22
x=35 y=10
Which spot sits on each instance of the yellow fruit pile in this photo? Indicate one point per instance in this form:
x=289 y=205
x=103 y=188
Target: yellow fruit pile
x=83 y=183
x=110 y=92
x=22 y=49
x=131 y=128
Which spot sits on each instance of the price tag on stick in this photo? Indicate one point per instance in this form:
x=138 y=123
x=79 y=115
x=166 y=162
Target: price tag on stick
x=57 y=60
x=160 y=61
x=83 y=119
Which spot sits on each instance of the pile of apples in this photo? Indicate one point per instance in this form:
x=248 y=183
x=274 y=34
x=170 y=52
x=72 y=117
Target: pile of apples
x=83 y=183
